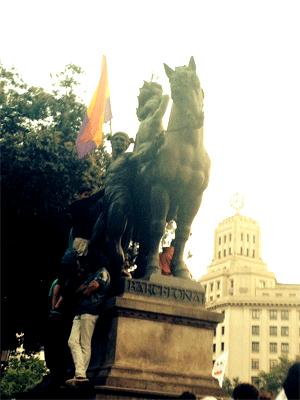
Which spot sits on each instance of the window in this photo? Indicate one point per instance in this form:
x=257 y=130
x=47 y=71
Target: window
x=273 y=314
x=230 y=237
x=222 y=346
x=211 y=298
x=255 y=381
x=241 y=250
x=218 y=284
x=255 y=347
x=231 y=283
x=273 y=364
x=284 y=347
x=219 y=254
x=284 y=331
x=253 y=253
x=205 y=287
x=214 y=348
x=255 y=330
x=224 y=252
x=215 y=332
x=255 y=314
x=253 y=238
x=211 y=286
x=219 y=239
x=242 y=236
x=254 y=364
x=273 y=347
x=247 y=252
x=262 y=284
x=247 y=237
x=284 y=314
x=229 y=250
x=273 y=330
x=223 y=330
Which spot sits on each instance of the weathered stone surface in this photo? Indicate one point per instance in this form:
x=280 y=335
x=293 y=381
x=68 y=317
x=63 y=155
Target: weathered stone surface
x=151 y=342
x=167 y=288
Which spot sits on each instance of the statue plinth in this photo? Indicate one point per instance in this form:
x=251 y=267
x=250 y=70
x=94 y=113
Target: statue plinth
x=155 y=339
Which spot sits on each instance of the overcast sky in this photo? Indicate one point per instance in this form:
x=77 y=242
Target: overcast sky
x=247 y=56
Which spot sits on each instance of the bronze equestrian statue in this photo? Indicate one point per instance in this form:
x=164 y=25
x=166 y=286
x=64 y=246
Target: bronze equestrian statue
x=172 y=185
x=162 y=179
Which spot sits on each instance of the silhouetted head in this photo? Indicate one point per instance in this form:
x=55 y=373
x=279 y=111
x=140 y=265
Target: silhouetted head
x=291 y=384
x=245 y=391
x=84 y=191
x=265 y=396
x=187 y=395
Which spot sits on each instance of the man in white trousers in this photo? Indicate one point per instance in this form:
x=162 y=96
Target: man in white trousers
x=90 y=296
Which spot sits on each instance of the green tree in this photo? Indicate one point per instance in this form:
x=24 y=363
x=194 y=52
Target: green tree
x=272 y=381
x=40 y=175
x=38 y=132
x=21 y=374
x=229 y=385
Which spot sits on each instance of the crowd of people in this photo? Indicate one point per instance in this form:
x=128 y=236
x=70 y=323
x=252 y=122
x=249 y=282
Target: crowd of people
x=245 y=391
x=290 y=388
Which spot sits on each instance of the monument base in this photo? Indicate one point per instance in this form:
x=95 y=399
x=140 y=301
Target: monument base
x=155 y=341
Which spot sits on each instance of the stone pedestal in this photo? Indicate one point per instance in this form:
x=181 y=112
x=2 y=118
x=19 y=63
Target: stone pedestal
x=155 y=341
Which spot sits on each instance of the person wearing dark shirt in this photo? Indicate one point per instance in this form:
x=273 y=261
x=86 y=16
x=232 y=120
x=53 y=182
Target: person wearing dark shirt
x=90 y=296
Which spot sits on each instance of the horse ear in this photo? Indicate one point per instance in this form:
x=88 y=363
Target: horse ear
x=169 y=71
x=192 y=64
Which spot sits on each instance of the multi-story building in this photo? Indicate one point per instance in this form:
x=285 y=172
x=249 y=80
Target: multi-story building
x=261 y=317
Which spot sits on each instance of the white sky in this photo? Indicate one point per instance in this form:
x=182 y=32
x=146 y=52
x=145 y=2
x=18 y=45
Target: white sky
x=247 y=56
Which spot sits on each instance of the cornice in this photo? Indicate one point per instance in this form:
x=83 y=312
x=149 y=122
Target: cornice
x=253 y=303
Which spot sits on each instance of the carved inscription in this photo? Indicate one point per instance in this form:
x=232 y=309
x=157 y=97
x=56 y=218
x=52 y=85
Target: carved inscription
x=172 y=293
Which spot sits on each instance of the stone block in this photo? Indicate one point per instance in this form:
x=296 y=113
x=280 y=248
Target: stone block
x=155 y=337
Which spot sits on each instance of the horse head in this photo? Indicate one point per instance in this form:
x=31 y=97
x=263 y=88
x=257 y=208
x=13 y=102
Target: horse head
x=186 y=93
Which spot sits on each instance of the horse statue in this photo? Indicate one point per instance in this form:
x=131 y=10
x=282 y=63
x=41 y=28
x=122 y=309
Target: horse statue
x=163 y=179
x=171 y=185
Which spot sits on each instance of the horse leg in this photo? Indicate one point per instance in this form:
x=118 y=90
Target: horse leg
x=185 y=217
x=159 y=205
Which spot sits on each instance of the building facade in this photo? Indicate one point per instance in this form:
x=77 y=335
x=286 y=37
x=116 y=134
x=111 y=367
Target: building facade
x=261 y=317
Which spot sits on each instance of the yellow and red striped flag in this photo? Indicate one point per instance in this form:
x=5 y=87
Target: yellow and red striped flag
x=99 y=111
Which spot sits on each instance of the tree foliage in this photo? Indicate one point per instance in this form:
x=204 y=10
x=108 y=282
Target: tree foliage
x=272 y=381
x=38 y=132
x=21 y=374
x=40 y=175
x=229 y=385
